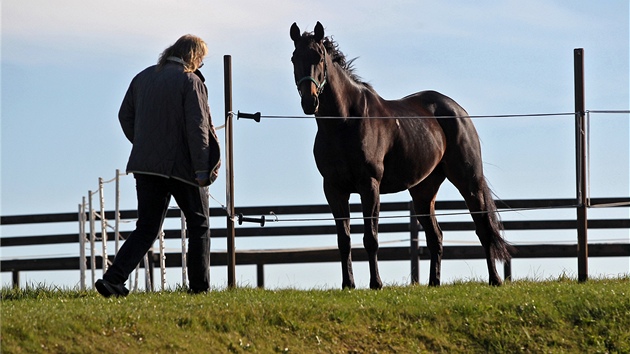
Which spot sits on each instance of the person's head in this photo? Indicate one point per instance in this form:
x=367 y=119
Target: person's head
x=191 y=49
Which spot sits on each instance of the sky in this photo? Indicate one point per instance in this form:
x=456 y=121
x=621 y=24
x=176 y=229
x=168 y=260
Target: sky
x=65 y=66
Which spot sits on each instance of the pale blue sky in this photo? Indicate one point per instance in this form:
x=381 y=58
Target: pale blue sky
x=66 y=65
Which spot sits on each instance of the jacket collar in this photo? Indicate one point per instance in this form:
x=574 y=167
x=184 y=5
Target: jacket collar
x=200 y=75
x=181 y=61
x=176 y=59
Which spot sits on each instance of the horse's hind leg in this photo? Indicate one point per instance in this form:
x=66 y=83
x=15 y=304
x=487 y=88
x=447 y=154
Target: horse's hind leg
x=338 y=202
x=469 y=180
x=423 y=196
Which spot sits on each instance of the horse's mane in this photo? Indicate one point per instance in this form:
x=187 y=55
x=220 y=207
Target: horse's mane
x=340 y=59
x=337 y=57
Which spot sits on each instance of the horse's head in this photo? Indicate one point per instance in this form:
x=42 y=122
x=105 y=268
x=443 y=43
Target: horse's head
x=309 y=66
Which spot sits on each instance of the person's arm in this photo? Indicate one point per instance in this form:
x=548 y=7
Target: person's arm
x=197 y=119
x=126 y=115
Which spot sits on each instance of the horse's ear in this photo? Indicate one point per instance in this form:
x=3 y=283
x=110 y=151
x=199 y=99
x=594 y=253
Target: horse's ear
x=295 y=32
x=319 y=32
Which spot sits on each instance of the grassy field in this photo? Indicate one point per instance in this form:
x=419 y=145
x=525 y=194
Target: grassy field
x=523 y=316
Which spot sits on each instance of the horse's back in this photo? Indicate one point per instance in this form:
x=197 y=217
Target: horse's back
x=452 y=117
x=436 y=104
x=463 y=149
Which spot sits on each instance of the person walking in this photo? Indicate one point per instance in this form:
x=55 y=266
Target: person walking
x=175 y=152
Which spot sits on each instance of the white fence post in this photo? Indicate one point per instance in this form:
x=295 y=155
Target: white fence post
x=135 y=279
x=103 y=223
x=162 y=261
x=183 y=233
x=82 y=244
x=92 y=240
x=117 y=214
x=147 y=273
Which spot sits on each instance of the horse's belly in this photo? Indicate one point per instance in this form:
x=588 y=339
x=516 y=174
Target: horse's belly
x=394 y=179
x=412 y=157
x=400 y=180
x=400 y=174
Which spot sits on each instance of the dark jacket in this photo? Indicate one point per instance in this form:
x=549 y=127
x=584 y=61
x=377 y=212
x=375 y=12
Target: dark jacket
x=165 y=115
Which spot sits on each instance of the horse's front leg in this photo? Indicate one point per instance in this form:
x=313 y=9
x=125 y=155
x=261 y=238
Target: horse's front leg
x=338 y=202
x=370 y=203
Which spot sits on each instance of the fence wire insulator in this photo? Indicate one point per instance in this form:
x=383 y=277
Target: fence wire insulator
x=242 y=219
x=254 y=116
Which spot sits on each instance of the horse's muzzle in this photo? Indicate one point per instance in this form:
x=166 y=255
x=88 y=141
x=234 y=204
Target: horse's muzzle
x=310 y=104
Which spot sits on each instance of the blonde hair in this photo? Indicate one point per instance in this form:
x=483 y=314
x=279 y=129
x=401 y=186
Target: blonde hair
x=190 y=49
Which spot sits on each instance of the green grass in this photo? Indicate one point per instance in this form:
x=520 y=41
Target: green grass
x=524 y=316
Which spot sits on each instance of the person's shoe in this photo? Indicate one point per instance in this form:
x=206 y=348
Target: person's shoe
x=108 y=289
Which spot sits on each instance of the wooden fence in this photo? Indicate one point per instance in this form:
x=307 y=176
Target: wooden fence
x=260 y=258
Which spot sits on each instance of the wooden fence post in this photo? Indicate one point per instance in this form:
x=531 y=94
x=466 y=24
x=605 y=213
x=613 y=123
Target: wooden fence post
x=413 y=245
x=15 y=275
x=580 y=164
x=260 y=275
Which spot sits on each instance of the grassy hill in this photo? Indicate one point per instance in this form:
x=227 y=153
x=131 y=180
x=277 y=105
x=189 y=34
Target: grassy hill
x=523 y=316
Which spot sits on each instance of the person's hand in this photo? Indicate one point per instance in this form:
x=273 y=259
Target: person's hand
x=215 y=173
x=203 y=179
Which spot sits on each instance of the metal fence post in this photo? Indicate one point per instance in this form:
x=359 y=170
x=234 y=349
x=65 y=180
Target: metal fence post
x=229 y=170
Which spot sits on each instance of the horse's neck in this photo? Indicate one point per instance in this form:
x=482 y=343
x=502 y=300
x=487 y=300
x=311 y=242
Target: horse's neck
x=342 y=97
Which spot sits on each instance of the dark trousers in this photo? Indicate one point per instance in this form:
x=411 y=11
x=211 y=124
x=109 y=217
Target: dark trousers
x=154 y=195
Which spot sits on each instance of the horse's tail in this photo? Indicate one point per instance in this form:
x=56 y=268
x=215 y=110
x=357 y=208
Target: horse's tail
x=499 y=248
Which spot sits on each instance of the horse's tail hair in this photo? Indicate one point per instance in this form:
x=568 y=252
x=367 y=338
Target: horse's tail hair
x=499 y=248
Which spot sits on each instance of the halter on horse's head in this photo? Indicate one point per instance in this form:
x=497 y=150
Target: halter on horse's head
x=310 y=66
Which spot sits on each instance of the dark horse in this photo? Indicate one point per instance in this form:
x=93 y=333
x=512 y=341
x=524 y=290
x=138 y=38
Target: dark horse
x=362 y=147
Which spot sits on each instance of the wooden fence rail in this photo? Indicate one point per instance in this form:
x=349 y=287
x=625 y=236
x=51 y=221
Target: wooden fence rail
x=260 y=258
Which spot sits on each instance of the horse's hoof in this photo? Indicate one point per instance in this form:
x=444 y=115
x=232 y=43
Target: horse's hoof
x=434 y=283
x=376 y=285
x=348 y=286
x=495 y=282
